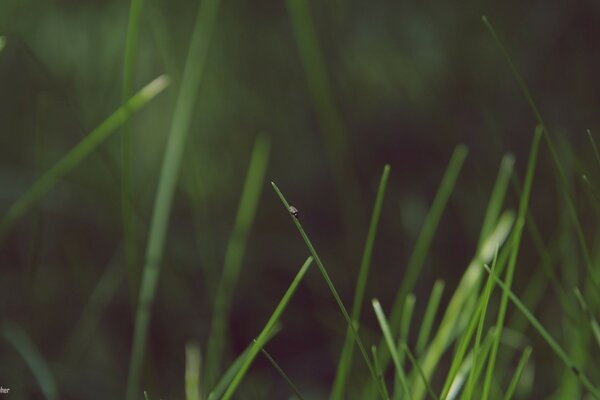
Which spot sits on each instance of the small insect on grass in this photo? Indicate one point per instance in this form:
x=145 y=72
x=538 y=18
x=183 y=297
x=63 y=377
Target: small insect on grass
x=294 y=211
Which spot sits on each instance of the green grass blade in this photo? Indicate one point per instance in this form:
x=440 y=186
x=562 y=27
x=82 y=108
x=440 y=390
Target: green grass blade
x=595 y=327
x=44 y=183
x=332 y=288
x=19 y=339
x=2 y=42
x=146 y=395
x=497 y=197
x=389 y=340
x=419 y=370
x=429 y=316
x=421 y=249
x=407 y=312
x=192 y=371
x=345 y=362
x=264 y=334
x=476 y=347
x=186 y=99
x=468 y=364
x=281 y=372
x=548 y=338
x=517 y=376
x=566 y=190
x=476 y=321
x=328 y=114
x=467 y=286
x=234 y=255
x=378 y=371
x=233 y=369
x=520 y=223
x=127 y=196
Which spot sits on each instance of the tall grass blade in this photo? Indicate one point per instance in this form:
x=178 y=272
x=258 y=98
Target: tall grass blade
x=595 y=327
x=282 y=373
x=417 y=366
x=264 y=334
x=389 y=340
x=518 y=372
x=558 y=350
x=520 y=223
x=332 y=288
x=19 y=339
x=44 y=183
x=234 y=255
x=129 y=229
x=184 y=106
x=378 y=371
x=345 y=362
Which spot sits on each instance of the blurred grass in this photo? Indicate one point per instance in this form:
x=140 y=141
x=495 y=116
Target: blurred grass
x=188 y=91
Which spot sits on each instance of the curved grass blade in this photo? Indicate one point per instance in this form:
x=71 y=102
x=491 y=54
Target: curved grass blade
x=234 y=255
x=44 y=183
x=332 y=288
x=281 y=372
x=262 y=338
x=516 y=242
x=389 y=339
x=186 y=99
x=17 y=337
x=547 y=337
x=517 y=376
x=345 y=361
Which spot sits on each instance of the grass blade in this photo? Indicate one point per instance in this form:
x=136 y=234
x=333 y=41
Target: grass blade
x=419 y=253
x=282 y=373
x=17 y=337
x=520 y=223
x=429 y=317
x=44 y=183
x=345 y=361
x=190 y=83
x=378 y=371
x=555 y=158
x=593 y=142
x=192 y=371
x=129 y=229
x=389 y=340
x=547 y=337
x=233 y=369
x=328 y=114
x=264 y=334
x=332 y=288
x=234 y=255
x=418 y=368
x=517 y=376
x=595 y=327
x=467 y=286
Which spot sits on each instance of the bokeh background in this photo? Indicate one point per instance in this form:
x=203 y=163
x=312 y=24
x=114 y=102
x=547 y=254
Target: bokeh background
x=409 y=82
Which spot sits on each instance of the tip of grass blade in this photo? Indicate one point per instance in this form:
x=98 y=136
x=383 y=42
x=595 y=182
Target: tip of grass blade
x=156 y=86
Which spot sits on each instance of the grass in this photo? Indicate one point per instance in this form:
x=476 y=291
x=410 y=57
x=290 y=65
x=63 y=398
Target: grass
x=188 y=91
x=462 y=335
